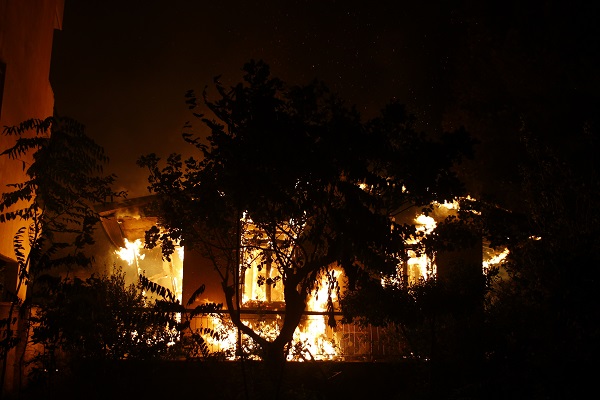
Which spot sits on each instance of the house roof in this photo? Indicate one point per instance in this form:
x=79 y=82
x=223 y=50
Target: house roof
x=127 y=219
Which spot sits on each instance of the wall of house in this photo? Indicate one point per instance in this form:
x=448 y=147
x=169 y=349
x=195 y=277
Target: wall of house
x=199 y=270
x=26 y=33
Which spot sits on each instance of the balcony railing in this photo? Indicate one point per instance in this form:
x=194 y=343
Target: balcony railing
x=344 y=342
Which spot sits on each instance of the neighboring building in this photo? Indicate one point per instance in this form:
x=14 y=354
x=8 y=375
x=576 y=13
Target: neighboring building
x=26 y=35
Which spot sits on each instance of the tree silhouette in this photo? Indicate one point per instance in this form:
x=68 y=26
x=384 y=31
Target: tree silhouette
x=293 y=173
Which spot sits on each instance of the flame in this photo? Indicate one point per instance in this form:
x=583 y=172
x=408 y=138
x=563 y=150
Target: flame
x=495 y=259
x=312 y=339
x=313 y=335
x=168 y=274
x=131 y=253
x=425 y=223
x=318 y=301
x=418 y=265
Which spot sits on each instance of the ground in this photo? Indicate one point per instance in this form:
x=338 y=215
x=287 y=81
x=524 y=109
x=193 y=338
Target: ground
x=225 y=380
x=403 y=380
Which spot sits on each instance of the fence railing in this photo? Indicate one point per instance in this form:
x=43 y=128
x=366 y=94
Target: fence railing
x=344 y=342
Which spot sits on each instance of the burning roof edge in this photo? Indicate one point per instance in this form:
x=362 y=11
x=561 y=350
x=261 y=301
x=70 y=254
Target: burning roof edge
x=136 y=202
x=116 y=218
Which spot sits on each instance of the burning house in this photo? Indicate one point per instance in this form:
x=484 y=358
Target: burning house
x=260 y=296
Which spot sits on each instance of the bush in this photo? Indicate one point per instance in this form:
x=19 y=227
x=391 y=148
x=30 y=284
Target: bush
x=100 y=319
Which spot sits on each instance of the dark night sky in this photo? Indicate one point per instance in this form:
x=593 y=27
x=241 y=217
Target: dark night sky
x=122 y=67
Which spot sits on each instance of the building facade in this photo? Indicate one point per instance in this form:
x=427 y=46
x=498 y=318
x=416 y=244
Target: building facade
x=26 y=35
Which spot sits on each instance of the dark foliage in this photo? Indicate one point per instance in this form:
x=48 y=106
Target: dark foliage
x=102 y=318
x=544 y=317
x=300 y=167
x=55 y=204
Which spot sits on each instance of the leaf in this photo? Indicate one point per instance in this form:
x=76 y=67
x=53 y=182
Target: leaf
x=195 y=295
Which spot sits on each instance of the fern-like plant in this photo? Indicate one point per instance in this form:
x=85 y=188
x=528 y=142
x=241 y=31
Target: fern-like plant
x=55 y=204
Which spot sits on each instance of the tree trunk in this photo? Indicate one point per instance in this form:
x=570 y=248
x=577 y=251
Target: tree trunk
x=275 y=352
